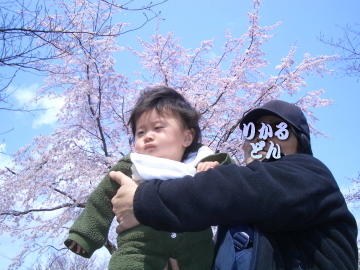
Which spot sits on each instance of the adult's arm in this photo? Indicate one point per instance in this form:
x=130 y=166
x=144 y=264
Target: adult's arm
x=297 y=191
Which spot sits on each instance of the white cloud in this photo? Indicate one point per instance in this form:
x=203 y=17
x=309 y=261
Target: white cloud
x=5 y=160
x=50 y=107
x=210 y=55
x=48 y=117
x=24 y=94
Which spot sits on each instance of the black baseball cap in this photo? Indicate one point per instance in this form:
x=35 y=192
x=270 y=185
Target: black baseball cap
x=291 y=113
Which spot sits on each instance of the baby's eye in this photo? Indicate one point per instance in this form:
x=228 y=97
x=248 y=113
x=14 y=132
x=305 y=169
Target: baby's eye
x=139 y=133
x=158 y=127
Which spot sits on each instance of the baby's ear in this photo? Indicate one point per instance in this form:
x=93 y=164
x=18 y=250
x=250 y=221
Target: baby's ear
x=189 y=137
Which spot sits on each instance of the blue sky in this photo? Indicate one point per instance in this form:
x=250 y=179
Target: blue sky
x=303 y=21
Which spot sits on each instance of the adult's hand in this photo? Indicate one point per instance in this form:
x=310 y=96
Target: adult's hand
x=173 y=263
x=123 y=201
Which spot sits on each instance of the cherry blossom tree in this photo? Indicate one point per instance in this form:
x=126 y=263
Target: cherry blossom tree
x=354 y=195
x=223 y=96
x=47 y=187
x=348 y=47
x=353 y=198
x=63 y=261
x=30 y=31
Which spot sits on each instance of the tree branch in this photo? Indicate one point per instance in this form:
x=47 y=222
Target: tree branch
x=21 y=213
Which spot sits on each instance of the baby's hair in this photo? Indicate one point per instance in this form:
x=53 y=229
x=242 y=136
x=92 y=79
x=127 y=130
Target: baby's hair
x=166 y=100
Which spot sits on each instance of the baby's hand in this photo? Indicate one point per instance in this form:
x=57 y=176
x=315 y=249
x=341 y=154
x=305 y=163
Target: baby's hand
x=204 y=166
x=79 y=249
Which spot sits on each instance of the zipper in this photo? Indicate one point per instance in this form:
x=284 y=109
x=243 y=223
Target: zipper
x=299 y=265
x=256 y=244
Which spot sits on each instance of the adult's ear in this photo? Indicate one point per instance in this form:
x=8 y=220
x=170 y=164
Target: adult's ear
x=189 y=137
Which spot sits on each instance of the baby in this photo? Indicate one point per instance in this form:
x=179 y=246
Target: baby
x=166 y=138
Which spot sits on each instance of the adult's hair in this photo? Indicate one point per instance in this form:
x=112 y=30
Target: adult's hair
x=166 y=100
x=304 y=145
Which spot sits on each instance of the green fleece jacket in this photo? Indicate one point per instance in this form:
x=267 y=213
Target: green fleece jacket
x=90 y=229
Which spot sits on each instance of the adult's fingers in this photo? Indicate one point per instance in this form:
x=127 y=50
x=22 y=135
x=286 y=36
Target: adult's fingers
x=174 y=264
x=120 y=178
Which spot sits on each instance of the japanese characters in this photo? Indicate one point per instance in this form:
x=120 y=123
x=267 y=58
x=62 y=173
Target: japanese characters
x=265 y=132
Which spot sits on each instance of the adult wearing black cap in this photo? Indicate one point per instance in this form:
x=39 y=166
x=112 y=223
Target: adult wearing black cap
x=293 y=203
x=273 y=113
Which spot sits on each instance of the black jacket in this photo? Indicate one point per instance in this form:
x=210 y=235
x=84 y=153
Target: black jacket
x=294 y=203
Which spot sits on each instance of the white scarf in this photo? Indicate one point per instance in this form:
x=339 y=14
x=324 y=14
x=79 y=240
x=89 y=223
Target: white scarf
x=147 y=167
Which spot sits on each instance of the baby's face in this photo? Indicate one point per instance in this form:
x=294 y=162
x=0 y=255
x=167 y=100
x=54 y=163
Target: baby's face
x=162 y=136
